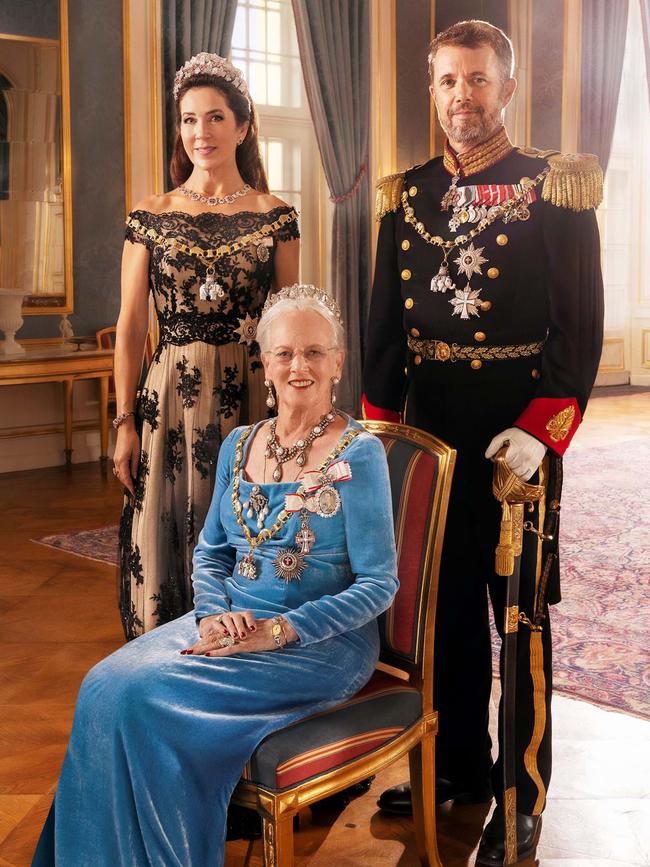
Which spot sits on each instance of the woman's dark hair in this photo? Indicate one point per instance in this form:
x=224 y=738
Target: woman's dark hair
x=249 y=161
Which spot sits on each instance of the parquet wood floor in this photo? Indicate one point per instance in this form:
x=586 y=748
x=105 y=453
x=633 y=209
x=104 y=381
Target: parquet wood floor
x=58 y=617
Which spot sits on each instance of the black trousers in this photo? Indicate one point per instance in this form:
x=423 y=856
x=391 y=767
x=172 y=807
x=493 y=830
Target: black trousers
x=467 y=415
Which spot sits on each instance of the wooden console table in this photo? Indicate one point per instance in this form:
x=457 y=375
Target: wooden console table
x=59 y=363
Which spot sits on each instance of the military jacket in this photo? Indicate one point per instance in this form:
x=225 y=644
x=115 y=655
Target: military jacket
x=529 y=285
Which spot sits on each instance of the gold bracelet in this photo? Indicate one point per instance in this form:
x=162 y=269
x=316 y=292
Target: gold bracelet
x=277 y=629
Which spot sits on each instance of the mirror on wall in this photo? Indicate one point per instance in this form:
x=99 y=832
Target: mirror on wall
x=35 y=195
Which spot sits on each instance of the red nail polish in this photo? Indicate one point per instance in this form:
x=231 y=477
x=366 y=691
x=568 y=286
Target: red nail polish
x=207 y=653
x=242 y=635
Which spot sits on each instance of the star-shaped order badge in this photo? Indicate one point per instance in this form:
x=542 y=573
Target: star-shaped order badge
x=466 y=302
x=247 y=329
x=470 y=260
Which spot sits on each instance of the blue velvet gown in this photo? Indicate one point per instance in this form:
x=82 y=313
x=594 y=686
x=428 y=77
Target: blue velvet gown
x=160 y=740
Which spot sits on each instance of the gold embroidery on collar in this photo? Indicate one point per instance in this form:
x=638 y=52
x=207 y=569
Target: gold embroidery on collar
x=559 y=426
x=480 y=157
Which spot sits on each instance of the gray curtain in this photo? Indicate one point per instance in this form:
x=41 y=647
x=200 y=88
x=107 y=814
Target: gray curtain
x=645 y=23
x=191 y=26
x=333 y=38
x=604 y=24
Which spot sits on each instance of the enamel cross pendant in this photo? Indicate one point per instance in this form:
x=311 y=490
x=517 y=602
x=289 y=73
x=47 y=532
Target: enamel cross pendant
x=305 y=537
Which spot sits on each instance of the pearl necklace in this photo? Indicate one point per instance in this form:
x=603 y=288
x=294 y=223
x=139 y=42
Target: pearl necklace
x=214 y=200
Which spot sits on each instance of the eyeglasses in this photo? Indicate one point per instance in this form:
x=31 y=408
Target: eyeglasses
x=312 y=355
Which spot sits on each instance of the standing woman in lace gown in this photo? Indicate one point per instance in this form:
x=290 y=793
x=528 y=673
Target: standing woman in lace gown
x=210 y=251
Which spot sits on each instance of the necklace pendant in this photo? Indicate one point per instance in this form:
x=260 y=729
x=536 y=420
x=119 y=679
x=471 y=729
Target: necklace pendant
x=442 y=281
x=247 y=567
x=289 y=564
x=301 y=459
x=277 y=473
x=211 y=289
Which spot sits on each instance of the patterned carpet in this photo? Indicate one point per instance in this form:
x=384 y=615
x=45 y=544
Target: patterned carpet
x=600 y=629
x=99 y=544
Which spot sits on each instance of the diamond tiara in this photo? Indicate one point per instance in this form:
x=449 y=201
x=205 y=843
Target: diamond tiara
x=211 y=64
x=305 y=290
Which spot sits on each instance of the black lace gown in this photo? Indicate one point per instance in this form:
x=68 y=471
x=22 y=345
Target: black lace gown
x=205 y=379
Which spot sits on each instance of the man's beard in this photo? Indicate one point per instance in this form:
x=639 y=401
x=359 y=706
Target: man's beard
x=483 y=128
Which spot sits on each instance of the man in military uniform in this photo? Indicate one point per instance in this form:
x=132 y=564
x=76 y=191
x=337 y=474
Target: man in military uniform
x=485 y=329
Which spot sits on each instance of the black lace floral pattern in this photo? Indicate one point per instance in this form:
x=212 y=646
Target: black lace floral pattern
x=188 y=383
x=140 y=482
x=206 y=448
x=229 y=391
x=174 y=448
x=149 y=407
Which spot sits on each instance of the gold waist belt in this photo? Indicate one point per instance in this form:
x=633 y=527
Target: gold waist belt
x=438 y=350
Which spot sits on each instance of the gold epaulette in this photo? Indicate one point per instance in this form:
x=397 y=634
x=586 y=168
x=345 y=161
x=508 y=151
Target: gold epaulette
x=574 y=181
x=388 y=195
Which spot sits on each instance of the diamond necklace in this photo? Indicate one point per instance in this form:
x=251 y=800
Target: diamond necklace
x=214 y=200
x=299 y=449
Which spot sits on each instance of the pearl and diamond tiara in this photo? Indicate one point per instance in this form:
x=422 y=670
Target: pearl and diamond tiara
x=305 y=290
x=211 y=64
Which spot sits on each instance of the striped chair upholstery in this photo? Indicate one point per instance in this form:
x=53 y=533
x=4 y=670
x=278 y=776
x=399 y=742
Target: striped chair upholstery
x=392 y=714
x=379 y=712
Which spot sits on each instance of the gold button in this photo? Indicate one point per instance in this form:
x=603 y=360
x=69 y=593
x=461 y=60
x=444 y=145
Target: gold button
x=415 y=332
x=408 y=303
x=479 y=336
x=406 y=370
x=524 y=181
x=405 y=244
x=502 y=240
x=486 y=305
x=493 y=273
x=535 y=373
x=413 y=191
x=418 y=359
x=476 y=364
x=406 y=274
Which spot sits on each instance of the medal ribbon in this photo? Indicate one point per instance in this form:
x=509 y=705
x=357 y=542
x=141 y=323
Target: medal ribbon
x=492 y=194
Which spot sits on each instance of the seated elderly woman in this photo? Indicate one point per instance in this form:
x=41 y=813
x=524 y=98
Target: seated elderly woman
x=294 y=564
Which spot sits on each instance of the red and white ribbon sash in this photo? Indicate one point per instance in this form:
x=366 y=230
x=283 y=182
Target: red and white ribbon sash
x=337 y=472
x=492 y=194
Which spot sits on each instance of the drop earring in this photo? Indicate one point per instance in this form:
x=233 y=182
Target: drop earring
x=270 y=400
x=335 y=382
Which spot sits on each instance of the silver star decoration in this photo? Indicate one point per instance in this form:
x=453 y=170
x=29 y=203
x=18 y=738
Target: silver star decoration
x=464 y=303
x=247 y=329
x=470 y=260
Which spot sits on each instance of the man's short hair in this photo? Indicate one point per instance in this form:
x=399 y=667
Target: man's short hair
x=473 y=34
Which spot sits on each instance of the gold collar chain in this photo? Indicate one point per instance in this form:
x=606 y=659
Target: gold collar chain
x=267 y=533
x=504 y=210
x=211 y=253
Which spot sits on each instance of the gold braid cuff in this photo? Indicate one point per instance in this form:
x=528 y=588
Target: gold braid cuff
x=388 y=194
x=575 y=181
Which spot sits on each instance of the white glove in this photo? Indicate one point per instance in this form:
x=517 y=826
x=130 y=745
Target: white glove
x=524 y=455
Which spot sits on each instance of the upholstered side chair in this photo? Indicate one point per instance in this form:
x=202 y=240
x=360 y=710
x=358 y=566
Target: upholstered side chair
x=393 y=714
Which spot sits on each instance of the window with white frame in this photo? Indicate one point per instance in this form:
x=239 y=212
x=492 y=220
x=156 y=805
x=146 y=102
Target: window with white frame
x=623 y=217
x=265 y=48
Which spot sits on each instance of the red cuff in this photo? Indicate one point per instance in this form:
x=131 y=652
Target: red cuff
x=552 y=420
x=375 y=413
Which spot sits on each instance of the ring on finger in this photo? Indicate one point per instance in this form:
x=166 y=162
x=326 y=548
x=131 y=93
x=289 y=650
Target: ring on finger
x=226 y=641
